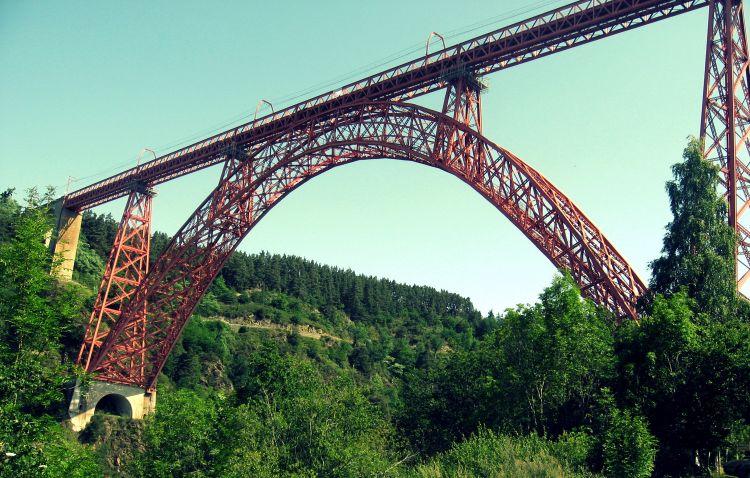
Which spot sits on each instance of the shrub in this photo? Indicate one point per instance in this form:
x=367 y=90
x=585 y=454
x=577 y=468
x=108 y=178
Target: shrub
x=629 y=448
x=494 y=456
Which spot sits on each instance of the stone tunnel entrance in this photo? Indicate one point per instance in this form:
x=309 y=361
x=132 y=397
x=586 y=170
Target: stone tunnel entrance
x=114 y=404
x=111 y=398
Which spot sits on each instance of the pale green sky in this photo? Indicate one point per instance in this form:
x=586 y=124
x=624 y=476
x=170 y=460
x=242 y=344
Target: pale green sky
x=86 y=85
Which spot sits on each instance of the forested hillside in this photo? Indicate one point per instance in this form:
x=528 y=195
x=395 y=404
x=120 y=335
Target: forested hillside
x=293 y=368
x=373 y=320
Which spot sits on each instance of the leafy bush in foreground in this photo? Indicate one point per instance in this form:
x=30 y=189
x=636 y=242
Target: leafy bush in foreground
x=497 y=456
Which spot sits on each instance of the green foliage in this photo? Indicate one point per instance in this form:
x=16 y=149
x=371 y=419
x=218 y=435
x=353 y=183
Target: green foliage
x=223 y=293
x=698 y=252
x=99 y=232
x=36 y=446
x=209 y=306
x=369 y=300
x=34 y=310
x=9 y=212
x=491 y=455
x=629 y=448
x=539 y=371
x=671 y=367
x=181 y=438
x=574 y=448
x=89 y=266
x=687 y=368
x=654 y=357
x=556 y=353
x=115 y=439
x=738 y=441
x=159 y=242
x=251 y=392
x=200 y=354
x=299 y=427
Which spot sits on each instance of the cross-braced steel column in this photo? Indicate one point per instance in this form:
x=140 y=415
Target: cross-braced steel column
x=463 y=103
x=126 y=267
x=725 y=121
x=238 y=168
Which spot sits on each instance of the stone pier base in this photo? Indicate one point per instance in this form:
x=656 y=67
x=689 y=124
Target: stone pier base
x=64 y=240
x=123 y=400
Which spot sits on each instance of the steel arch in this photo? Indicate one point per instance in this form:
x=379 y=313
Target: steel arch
x=255 y=179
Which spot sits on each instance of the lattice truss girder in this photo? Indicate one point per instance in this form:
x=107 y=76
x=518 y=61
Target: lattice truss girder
x=560 y=29
x=725 y=122
x=251 y=186
x=126 y=267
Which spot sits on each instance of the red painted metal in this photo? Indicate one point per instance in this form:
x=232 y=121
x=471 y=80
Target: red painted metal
x=126 y=267
x=262 y=176
x=463 y=103
x=575 y=24
x=267 y=159
x=725 y=122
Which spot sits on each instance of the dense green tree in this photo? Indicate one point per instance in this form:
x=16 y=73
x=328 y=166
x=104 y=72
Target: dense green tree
x=538 y=372
x=654 y=356
x=686 y=365
x=361 y=358
x=99 y=231
x=209 y=306
x=557 y=354
x=34 y=446
x=238 y=272
x=89 y=266
x=188 y=370
x=34 y=310
x=9 y=211
x=288 y=422
x=446 y=401
x=181 y=438
x=222 y=292
x=690 y=380
x=159 y=242
x=698 y=251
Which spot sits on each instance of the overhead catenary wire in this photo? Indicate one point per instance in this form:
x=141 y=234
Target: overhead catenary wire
x=415 y=48
x=363 y=70
x=370 y=68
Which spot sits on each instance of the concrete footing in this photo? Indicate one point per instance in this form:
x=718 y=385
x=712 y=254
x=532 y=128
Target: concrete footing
x=123 y=400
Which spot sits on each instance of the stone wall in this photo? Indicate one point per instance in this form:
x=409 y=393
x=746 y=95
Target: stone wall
x=86 y=397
